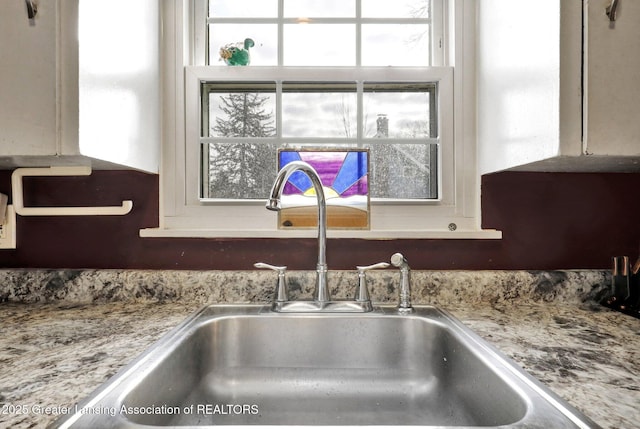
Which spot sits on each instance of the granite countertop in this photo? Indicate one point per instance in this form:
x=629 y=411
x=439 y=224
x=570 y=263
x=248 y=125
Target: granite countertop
x=56 y=352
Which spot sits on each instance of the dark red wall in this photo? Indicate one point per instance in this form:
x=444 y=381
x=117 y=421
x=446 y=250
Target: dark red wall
x=549 y=221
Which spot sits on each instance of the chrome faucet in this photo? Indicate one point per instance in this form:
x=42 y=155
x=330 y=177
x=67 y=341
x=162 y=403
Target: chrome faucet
x=321 y=294
x=321 y=298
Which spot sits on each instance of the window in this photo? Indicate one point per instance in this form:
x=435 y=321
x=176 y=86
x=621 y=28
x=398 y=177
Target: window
x=243 y=123
x=344 y=73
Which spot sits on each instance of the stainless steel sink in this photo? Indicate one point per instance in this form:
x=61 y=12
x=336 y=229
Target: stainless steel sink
x=246 y=365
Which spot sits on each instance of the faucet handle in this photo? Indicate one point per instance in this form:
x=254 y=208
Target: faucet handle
x=281 y=294
x=362 y=293
x=379 y=265
x=269 y=266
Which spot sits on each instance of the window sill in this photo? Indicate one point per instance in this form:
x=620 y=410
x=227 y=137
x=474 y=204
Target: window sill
x=479 y=234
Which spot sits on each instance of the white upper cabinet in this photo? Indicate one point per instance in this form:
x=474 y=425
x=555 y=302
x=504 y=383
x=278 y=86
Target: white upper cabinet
x=27 y=80
x=551 y=99
x=79 y=84
x=613 y=80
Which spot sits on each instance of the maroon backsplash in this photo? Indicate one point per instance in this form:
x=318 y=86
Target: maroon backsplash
x=548 y=220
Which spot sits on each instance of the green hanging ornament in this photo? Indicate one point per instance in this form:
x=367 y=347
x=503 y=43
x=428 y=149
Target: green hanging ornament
x=237 y=54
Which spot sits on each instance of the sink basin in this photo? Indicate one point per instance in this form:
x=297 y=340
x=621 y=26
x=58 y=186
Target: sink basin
x=245 y=365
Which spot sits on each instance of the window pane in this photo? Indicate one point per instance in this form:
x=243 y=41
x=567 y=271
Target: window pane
x=242 y=9
x=399 y=111
x=391 y=9
x=319 y=9
x=344 y=176
x=237 y=112
x=404 y=171
x=265 y=37
x=319 y=112
x=239 y=170
x=319 y=45
x=395 y=45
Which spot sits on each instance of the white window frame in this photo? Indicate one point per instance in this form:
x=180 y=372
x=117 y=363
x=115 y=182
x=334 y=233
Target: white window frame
x=183 y=214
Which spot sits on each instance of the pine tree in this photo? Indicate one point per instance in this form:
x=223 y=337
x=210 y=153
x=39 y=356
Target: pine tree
x=244 y=169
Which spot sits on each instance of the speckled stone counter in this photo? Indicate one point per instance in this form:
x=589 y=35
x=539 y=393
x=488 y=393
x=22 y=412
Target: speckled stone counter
x=66 y=332
x=201 y=287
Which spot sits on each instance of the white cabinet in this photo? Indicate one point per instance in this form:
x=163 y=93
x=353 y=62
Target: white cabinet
x=613 y=80
x=79 y=84
x=27 y=81
x=542 y=104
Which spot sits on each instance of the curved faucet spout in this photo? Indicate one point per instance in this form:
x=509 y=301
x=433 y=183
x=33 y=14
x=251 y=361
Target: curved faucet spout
x=322 y=291
x=273 y=205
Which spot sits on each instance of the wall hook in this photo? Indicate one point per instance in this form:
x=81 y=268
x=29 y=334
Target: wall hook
x=32 y=8
x=18 y=200
x=612 y=10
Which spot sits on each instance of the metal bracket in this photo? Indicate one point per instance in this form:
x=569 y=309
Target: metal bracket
x=612 y=10
x=32 y=8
